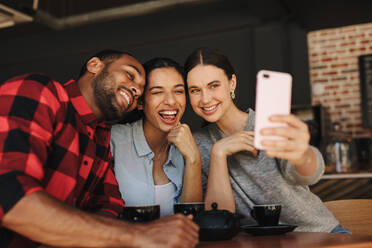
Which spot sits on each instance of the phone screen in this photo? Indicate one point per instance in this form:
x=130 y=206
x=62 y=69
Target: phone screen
x=273 y=96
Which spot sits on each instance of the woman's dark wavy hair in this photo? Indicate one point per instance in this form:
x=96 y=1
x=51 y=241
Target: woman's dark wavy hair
x=149 y=66
x=209 y=56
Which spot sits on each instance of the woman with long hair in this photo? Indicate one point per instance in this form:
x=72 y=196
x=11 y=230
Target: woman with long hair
x=235 y=174
x=156 y=158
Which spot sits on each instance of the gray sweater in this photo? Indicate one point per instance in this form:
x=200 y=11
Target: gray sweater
x=264 y=180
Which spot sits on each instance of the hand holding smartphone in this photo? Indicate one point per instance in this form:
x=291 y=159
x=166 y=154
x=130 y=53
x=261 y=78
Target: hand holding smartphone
x=273 y=97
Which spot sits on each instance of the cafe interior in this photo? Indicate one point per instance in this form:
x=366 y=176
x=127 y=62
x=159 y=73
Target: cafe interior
x=325 y=45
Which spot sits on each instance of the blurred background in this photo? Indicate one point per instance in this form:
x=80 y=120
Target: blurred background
x=325 y=44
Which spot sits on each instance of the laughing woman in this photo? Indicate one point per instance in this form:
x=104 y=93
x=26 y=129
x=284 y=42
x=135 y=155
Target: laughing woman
x=156 y=158
x=239 y=175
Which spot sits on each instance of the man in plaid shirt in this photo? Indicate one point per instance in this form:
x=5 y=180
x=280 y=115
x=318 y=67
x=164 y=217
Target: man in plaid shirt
x=57 y=183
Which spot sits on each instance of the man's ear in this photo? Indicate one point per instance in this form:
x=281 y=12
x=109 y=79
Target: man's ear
x=95 y=65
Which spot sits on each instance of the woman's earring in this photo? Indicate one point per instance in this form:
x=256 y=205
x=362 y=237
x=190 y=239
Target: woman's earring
x=232 y=93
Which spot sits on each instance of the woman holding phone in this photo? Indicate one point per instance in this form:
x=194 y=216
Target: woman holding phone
x=156 y=158
x=235 y=174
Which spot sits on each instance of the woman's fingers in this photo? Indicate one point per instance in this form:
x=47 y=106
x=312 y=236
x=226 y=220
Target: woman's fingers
x=284 y=155
x=291 y=120
x=179 y=132
x=246 y=139
x=287 y=132
x=284 y=144
x=295 y=135
x=292 y=150
x=240 y=141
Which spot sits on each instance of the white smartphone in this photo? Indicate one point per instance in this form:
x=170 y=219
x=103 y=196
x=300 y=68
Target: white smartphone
x=273 y=96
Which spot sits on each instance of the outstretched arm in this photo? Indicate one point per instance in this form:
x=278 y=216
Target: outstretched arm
x=46 y=220
x=294 y=147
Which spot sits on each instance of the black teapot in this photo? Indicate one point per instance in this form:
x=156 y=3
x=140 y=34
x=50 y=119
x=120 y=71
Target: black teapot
x=217 y=224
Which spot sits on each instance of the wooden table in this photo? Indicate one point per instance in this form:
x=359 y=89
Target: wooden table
x=293 y=240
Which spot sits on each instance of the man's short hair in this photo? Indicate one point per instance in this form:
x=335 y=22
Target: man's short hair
x=106 y=56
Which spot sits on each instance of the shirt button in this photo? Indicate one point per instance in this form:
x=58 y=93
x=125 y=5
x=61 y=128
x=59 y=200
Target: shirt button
x=85 y=162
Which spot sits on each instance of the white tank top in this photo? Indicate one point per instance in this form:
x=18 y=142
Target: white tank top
x=164 y=196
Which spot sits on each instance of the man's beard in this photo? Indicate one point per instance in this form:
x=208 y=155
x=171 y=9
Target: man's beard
x=104 y=96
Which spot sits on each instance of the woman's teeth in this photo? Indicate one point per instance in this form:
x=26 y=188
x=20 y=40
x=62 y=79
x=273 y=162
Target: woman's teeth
x=168 y=115
x=209 y=108
x=168 y=112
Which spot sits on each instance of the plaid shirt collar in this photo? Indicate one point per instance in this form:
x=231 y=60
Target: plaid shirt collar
x=81 y=105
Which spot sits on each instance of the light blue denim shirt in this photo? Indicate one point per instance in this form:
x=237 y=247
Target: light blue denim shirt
x=133 y=165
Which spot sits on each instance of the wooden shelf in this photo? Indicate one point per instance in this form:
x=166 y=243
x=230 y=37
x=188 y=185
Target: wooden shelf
x=347 y=175
x=337 y=186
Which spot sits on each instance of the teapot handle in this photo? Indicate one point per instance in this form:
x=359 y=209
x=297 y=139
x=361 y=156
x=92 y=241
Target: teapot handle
x=252 y=214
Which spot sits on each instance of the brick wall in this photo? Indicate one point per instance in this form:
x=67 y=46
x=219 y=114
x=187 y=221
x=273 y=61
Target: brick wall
x=334 y=74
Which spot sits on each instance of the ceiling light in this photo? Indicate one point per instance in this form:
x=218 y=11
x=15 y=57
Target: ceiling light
x=10 y=16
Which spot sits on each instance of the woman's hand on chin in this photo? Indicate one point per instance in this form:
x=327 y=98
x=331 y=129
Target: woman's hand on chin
x=182 y=138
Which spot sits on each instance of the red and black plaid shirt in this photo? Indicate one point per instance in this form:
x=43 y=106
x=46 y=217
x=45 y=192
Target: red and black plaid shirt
x=50 y=141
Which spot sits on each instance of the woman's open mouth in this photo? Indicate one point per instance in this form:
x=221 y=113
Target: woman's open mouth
x=168 y=116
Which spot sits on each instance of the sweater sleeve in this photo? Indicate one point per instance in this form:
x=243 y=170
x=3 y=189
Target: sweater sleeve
x=291 y=175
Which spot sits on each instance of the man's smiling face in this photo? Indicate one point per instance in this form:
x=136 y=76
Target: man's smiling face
x=117 y=87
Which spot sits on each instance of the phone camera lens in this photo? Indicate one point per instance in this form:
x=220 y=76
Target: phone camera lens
x=266 y=75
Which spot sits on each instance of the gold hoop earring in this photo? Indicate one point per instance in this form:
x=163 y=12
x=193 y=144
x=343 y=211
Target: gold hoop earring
x=232 y=93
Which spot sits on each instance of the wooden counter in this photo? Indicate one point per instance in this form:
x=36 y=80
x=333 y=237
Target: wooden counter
x=293 y=240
